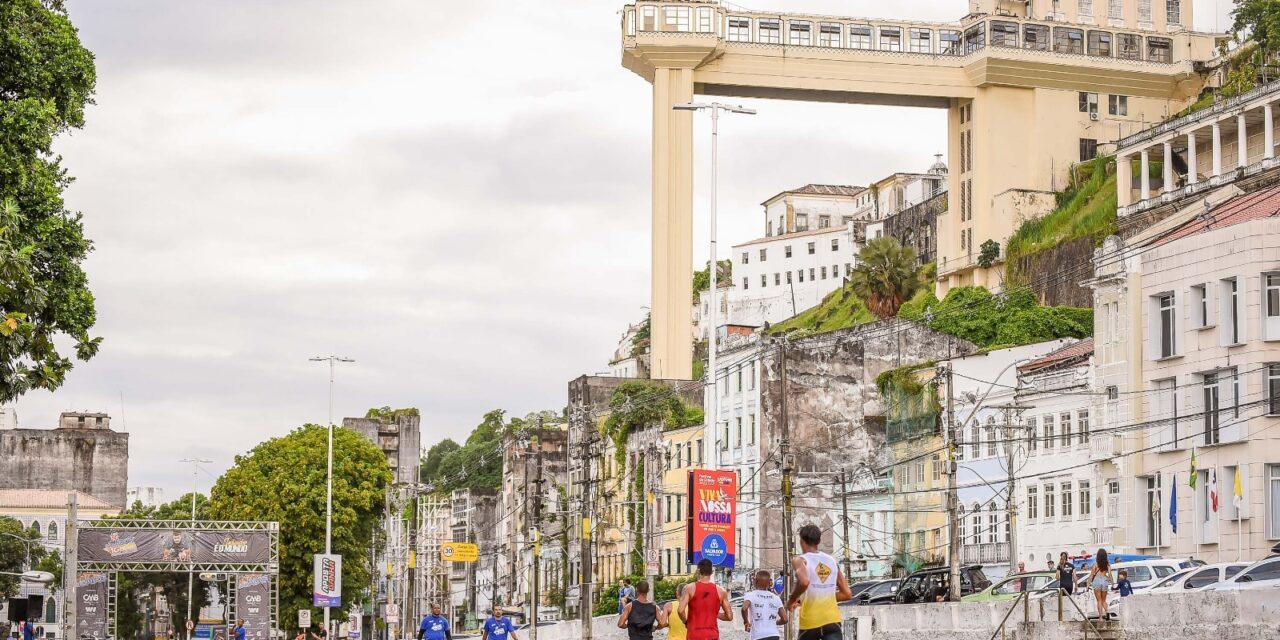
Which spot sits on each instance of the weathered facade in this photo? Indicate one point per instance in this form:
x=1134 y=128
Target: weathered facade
x=399 y=439
x=81 y=454
x=917 y=227
x=523 y=487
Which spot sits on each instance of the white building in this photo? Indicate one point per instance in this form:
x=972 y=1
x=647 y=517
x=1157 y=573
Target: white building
x=148 y=496
x=630 y=360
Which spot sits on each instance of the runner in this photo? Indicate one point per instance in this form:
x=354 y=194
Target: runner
x=675 y=625
x=819 y=586
x=434 y=626
x=498 y=627
x=762 y=610
x=641 y=616
x=703 y=603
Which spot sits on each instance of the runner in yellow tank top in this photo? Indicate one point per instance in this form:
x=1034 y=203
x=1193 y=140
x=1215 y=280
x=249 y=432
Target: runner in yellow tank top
x=819 y=586
x=675 y=625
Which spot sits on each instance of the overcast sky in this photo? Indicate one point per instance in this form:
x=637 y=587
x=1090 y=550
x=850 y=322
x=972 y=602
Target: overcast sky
x=454 y=194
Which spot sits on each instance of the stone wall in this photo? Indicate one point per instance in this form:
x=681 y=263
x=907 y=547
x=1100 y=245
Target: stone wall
x=1055 y=273
x=917 y=227
x=94 y=461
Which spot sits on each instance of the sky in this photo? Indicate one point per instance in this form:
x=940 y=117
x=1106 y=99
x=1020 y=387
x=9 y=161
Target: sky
x=455 y=195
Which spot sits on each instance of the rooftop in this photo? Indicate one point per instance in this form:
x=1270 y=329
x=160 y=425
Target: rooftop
x=840 y=190
x=48 y=499
x=1073 y=351
x=797 y=234
x=1263 y=203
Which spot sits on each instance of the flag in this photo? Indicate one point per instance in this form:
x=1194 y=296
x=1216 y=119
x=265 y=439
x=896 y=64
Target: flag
x=1237 y=500
x=1213 y=489
x=1173 y=506
x=1192 y=481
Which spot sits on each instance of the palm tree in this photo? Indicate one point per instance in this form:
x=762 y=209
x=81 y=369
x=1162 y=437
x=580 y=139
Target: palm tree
x=886 y=276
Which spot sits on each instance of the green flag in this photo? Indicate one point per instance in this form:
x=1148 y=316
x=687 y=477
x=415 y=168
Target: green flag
x=1194 y=475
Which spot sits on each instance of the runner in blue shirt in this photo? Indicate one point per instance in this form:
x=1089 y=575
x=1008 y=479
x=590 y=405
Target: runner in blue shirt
x=498 y=627
x=434 y=626
x=780 y=583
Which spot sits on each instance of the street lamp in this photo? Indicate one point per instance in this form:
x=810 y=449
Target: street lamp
x=715 y=108
x=38 y=577
x=191 y=596
x=328 y=497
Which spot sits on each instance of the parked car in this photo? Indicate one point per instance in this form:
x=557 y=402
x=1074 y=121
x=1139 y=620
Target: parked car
x=858 y=587
x=1275 y=551
x=881 y=592
x=1011 y=586
x=1145 y=573
x=1259 y=575
x=1197 y=578
x=919 y=586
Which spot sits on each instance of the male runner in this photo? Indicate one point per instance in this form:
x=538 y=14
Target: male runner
x=819 y=586
x=702 y=604
x=762 y=610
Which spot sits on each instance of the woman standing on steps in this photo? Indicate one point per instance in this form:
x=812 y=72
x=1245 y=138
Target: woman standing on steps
x=1100 y=582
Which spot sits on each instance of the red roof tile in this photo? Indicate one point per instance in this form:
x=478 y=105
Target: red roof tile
x=1263 y=203
x=1072 y=351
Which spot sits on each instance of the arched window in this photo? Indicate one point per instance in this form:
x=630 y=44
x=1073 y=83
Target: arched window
x=53 y=530
x=991 y=436
x=976 y=521
x=975 y=443
x=36 y=529
x=993 y=528
x=51 y=610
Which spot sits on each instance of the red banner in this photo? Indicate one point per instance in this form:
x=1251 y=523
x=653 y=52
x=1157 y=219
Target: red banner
x=713 y=498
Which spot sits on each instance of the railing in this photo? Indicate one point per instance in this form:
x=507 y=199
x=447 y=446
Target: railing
x=1227 y=177
x=1025 y=599
x=1197 y=116
x=988 y=553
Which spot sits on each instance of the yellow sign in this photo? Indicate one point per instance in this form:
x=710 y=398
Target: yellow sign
x=459 y=552
x=413 y=559
x=586 y=528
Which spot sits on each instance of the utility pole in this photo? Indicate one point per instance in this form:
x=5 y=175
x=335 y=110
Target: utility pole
x=1012 y=413
x=844 y=519
x=191 y=574
x=328 y=496
x=651 y=510
x=784 y=449
x=953 y=500
x=70 y=576
x=588 y=481
x=536 y=599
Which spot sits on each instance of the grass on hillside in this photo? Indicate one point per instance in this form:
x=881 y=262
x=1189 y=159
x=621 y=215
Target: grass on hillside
x=1087 y=210
x=841 y=309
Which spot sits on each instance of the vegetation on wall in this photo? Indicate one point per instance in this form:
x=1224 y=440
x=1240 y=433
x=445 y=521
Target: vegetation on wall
x=1086 y=209
x=997 y=321
x=840 y=309
x=387 y=415
x=638 y=404
x=702 y=278
x=640 y=341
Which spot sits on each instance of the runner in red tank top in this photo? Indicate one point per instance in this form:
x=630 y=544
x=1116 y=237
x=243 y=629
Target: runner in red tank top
x=703 y=604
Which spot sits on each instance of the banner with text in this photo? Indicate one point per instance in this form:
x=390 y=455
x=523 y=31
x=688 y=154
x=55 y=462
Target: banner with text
x=174 y=546
x=253 y=604
x=713 y=496
x=91 y=605
x=327 y=588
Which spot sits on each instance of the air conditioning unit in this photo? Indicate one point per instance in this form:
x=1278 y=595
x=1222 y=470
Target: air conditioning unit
x=1093 y=116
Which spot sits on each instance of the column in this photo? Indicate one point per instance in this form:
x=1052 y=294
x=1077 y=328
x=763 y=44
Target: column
x=1242 y=143
x=1191 y=158
x=1169 y=186
x=1268 y=134
x=672 y=250
x=1144 y=176
x=1217 y=151
x=1124 y=180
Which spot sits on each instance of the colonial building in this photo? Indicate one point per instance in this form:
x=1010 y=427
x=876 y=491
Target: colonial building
x=682 y=450
x=399 y=439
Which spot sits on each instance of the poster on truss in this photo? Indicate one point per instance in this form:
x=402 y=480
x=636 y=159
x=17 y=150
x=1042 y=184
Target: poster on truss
x=91 y=605
x=713 y=497
x=177 y=546
x=253 y=604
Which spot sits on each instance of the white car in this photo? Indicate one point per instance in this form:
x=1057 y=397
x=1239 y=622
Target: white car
x=1259 y=575
x=1146 y=573
x=1198 y=578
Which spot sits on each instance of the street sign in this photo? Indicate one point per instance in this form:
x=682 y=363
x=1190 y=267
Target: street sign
x=304 y=618
x=459 y=552
x=393 y=613
x=650 y=561
x=190 y=625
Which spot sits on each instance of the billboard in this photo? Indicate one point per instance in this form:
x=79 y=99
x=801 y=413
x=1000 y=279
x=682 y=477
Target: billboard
x=327 y=587
x=91 y=605
x=178 y=546
x=713 y=501
x=253 y=604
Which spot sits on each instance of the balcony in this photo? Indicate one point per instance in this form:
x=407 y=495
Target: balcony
x=1104 y=446
x=984 y=554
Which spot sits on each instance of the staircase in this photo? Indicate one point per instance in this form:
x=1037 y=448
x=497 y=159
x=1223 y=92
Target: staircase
x=1101 y=630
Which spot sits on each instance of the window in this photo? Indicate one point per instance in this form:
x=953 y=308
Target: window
x=1100 y=44
x=745 y=284
x=746 y=257
x=1173 y=12
x=739 y=30
x=1086 y=498
x=828 y=35
x=1160 y=50
x=1034 y=439
x=991 y=436
x=835 y=244
x=678 y=18
x=768 y=230
x=706 y=16
x=1200 y=306
x=801 y=272
x=802 y=222
x=724 y=439
x=1088 y=149
x=921 y=40
x=764 y=254
x=823 y=271
x=1068 y=40
x=738 y=429
x=1088 y=102
x=1273 y=390
x=786 y=251
x=890 y=38
x=1167 y=324
x=977 y=525
x=975 y=38
x=1117 y=105
x=667 y=513
x=813 y=248
x=1048 y=501
x=699 y=450
x=777 y=279
x=764 y=280
x=1154 y=511
x=993 y=519
x=1035 y=36
x=964 y=526
x=824 y=222
x=1212 y=405
x=1064 y=421
x=751 y=428
x=738 y=380
x=788 y=277
x=1271 y=306
x=860 y=37
x=949 y=42
x=811 y=278
x=798 y=33
x=1033 y=503
x=1129 y=46
x=1231 y=329
x=937 y=468
x=1004 y=34
x=1268 y=571
x=1115 y=9
x=1048 y=432
x=649 y=19
x=1067 y=500
x=769 y=31
x=1085 y=8
x=1082 y=426
x=1144 y=11
x=975 y=443
x=1273 y=504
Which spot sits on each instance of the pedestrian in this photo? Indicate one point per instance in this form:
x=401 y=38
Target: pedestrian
x=1052 y=566
x=1066 y=574
x=434 y=626
x=1126 y=587
x=28 y=631
x=641 y=616
x=1022 y=567
x=1100 y=581
x=625 y=594
x=702 y=604
x=762 y=610
x=780 y=583
x=819 y=586
x=240 y=632
x=498 y=627
x=671 y=616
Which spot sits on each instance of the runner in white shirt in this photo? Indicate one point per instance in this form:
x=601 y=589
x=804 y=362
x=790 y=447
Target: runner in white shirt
x=762 y=609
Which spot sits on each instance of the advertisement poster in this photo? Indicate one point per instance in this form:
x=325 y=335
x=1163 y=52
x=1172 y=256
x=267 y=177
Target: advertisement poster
x=253 y=605
x=176 y=546
x=91 y=605
x=713 y=496
x=327 y=588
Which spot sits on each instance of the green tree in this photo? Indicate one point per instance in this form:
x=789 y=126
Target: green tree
x=14 y=553
x=987 y=253
x=886 y=276
x=430 y=470
x=702 y=277
x=47 y=79
x=387 y=415
x=283 y=480
x=1258 y=20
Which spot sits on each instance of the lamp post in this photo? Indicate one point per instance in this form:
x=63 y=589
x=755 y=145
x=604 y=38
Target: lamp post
x=328 y=498
x=715 y=108
x=191 y=594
